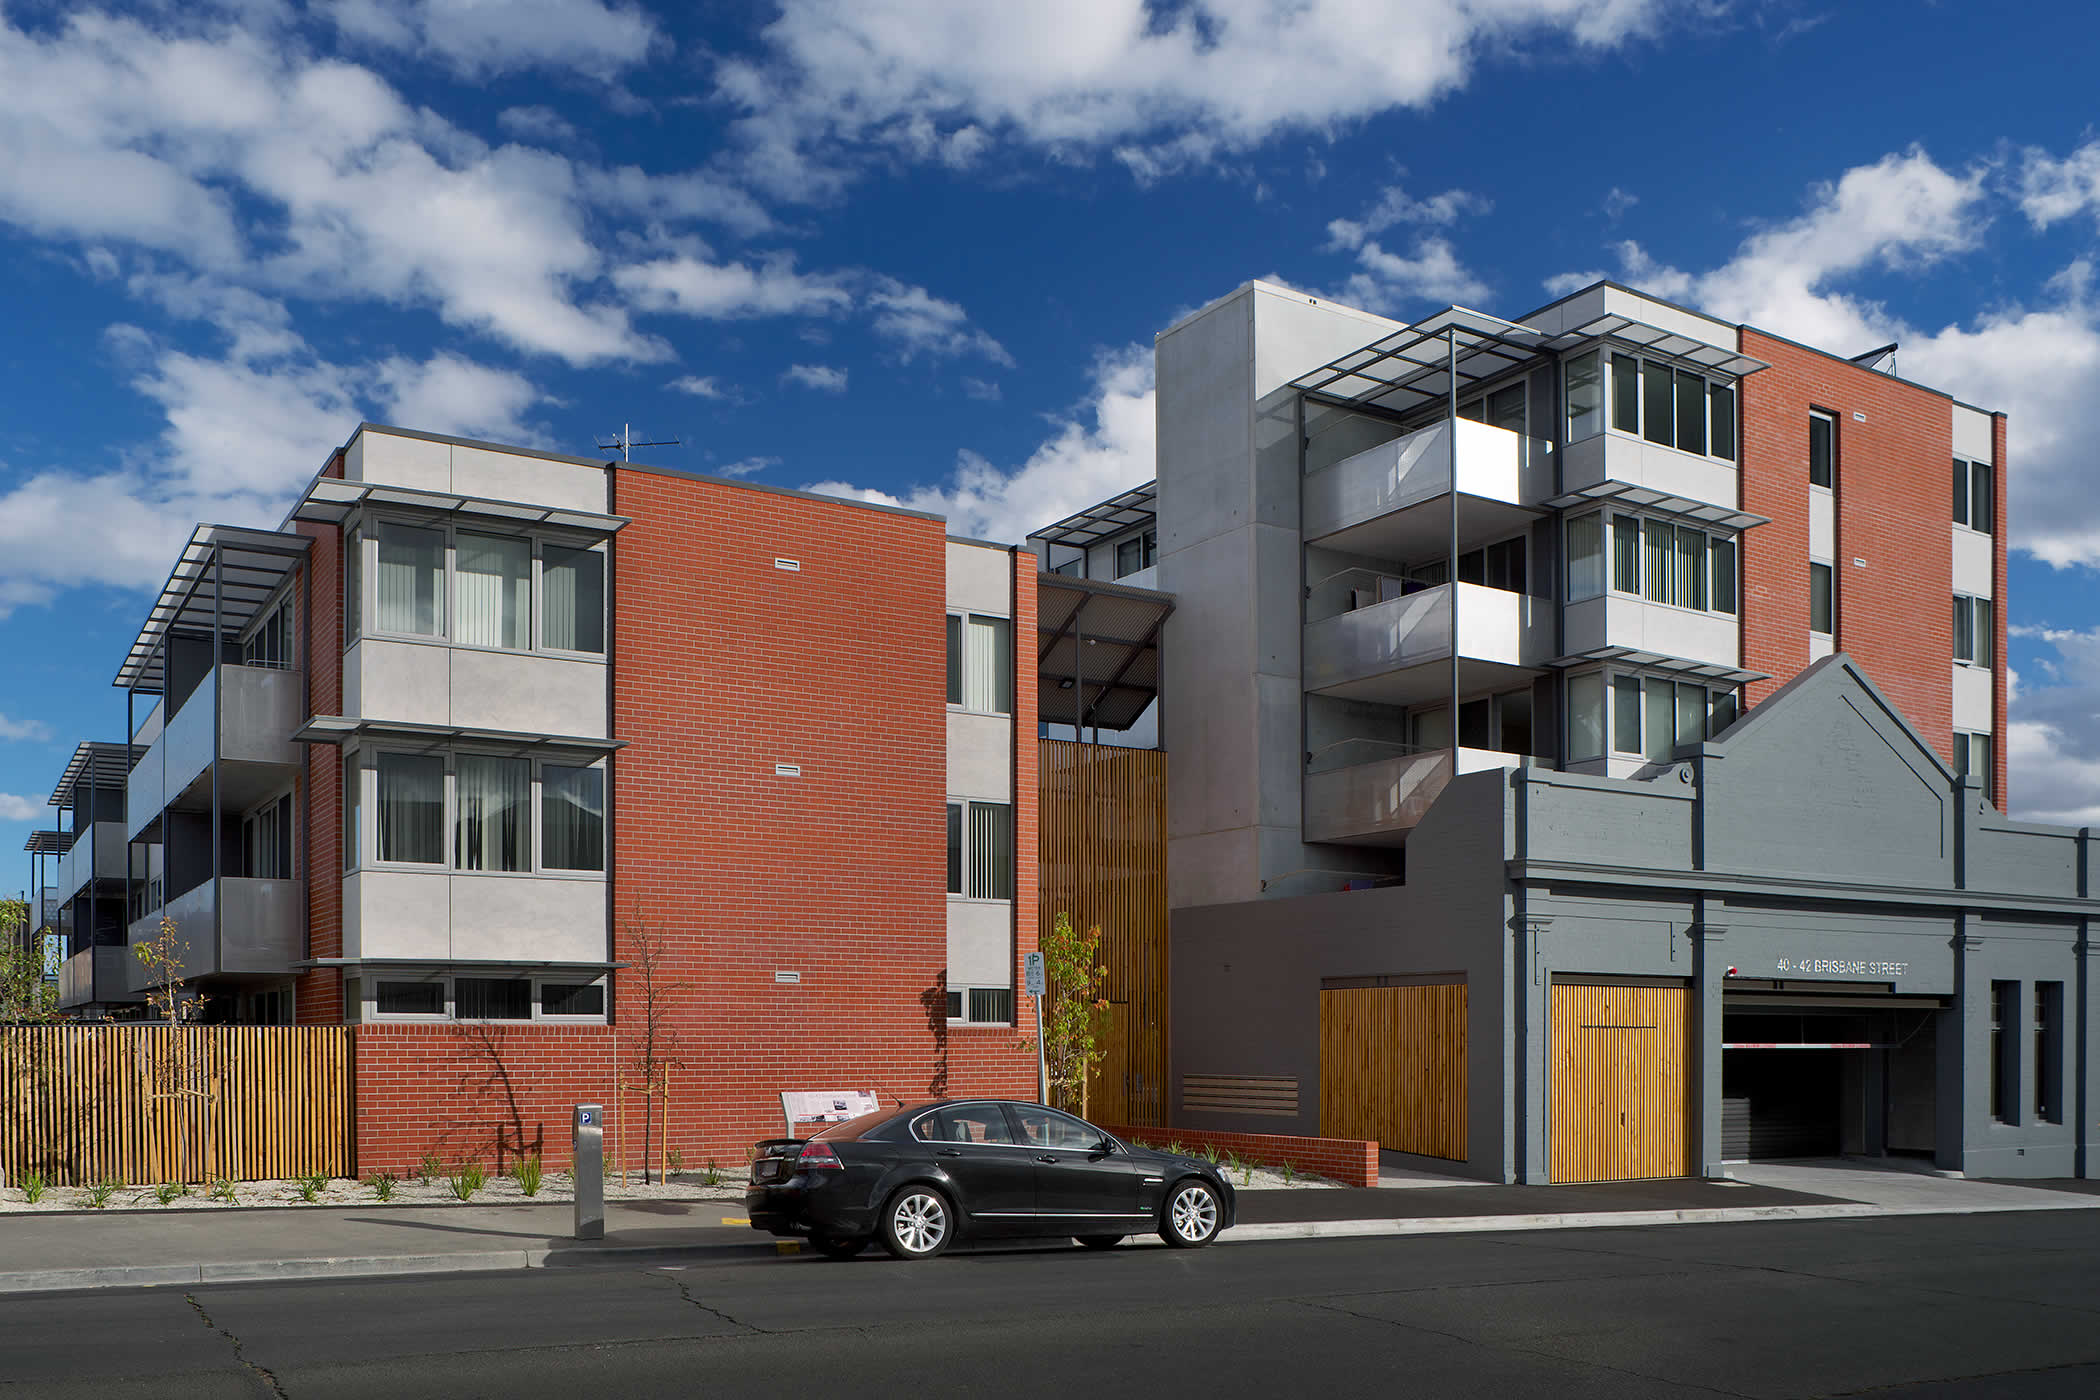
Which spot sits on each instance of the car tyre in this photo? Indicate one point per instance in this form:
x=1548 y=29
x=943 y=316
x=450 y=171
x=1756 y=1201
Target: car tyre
x=1099 y=1241
x=838 y=1246
x=1192 y=1215
x=918 y=1223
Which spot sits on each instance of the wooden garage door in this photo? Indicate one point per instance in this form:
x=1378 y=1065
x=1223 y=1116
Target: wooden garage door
x=1619 y=1093
x=1393 y=1067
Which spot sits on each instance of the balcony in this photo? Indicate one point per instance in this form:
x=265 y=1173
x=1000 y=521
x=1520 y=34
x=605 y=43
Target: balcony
x=1378 y=792
x=1380 y=502
x=100 y=974
x=96 y=854
x=254 y=710
x=1390 y=652
x=233 y=926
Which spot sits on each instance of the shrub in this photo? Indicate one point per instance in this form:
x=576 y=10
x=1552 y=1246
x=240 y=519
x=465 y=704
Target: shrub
x=33 y=1187
x=1290 y=1173
x=470 y=1177
x=527 y=1173
x=382 y=1184
x=714 y=1173
x=675 y=1160
x=310 y=1187
x=223 y=1190
x=429 y=1167
x=1210 y=1153
x=98 y=1195
x=167 y=1191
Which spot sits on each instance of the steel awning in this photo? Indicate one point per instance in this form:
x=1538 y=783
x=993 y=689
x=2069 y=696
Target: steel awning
x=343 y=729
x=251 y=563
x=95 y=764
x=1662 y=344
x=1113 y=516
x=48 y=843
x=1097 y=662
x=330 y=500
x=1656 y=661
x=1646 y=498
x=1410 y=368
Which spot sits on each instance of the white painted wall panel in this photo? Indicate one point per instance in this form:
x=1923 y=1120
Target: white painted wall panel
x=980 y=756
x=408 y=681
x=977 y=580
x=1670 y=318
x=1972 y=434
x=527 y=917
x=1972 y=698
x=980 y=943
x=399 y=461
x=1620 y=621
x=1822 y=525
x=524 y=692
x=516 y=476
x=400 y=914
x=1820 y=646
x=1972 y=562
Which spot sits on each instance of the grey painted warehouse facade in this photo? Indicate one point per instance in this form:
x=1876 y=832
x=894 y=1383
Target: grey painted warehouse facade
x=1872 y=959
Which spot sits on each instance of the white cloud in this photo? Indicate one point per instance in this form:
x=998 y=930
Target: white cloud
x=824 y=378
x=1161 y=87
x=2053 y=190
x=705 y=387
x=1617 y=202
x=746 y=467
x=2054 y=734
x=1397 y=206
x=22 y=809
x=542 y=124
x=478 y=38
x=1102 y=447
x=982 y=389
x=32 y=729
x=920 y=323
x=1397 y=284
x=688 y=284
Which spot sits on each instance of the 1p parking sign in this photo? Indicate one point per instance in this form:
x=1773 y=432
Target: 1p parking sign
x=1032 y=974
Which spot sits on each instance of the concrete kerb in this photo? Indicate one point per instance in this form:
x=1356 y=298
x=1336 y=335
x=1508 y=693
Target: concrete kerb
x=565 y=1256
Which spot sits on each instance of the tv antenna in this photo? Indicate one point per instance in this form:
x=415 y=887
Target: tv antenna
x=624 y=440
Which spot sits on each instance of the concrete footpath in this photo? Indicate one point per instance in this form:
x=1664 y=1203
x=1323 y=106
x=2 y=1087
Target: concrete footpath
x=47 y=1253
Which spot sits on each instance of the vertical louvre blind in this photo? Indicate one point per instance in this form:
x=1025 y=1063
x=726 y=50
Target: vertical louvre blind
x=492 y=586
x=411 y=580
x=988 y=670
x=1658 y=541
x=991 y=850
x=1585 y=556
x=494 y=801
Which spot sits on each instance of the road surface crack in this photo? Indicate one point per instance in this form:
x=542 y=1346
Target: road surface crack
x=269 y=1377
x=687 y=1294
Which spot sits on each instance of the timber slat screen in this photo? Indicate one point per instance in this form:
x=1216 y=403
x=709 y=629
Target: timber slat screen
x=144 y=1104
x=1620 y=1107
x=1393 y=1067
x=1103 y=859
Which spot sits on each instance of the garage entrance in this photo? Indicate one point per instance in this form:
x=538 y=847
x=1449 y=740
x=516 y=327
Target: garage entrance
x=1618 y=1087
x=1806 y=1072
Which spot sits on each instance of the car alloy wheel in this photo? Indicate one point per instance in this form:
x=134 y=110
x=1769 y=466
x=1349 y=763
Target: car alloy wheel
x=916 y=1224
x=1191 y=1216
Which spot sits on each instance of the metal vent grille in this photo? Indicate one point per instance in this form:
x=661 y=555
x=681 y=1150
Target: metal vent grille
x=1271 y=1096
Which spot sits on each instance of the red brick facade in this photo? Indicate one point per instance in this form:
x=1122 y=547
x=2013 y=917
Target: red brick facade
x=319 y=994
x=476 y=1091
x=1893 y=550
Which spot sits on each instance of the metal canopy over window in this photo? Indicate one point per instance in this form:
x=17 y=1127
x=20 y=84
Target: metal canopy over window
x=1098 y=660
x=1643 y=498
x=342 y=729
x=95 y=765
x=1412 y=368
x=48 y=843
x=221 y=580
x=1112 y=517
x=1656 y=661
x=330 y=500
x=432 y=966
x=1661 y=344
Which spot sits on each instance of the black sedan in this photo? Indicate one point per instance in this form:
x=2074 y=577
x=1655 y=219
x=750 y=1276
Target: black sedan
x=917 y=1177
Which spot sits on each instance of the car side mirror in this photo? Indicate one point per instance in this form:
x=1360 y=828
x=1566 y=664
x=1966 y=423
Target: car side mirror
x=1103 y=1148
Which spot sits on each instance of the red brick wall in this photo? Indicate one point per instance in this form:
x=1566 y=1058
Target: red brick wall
x=725 y=665
x=491 y=1093
x=319 y=994
x=1999 y=717
x=1893 y=614
x=1345 y=1160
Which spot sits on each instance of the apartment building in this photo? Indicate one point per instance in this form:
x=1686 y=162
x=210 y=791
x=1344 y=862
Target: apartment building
x=1579 y=771
x=82 y=870
x=514 y=760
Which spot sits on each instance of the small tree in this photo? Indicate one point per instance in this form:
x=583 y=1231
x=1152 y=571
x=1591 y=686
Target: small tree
x=162 y=957
x=1075 y=1010
x=657 y=1053
x=26 y=997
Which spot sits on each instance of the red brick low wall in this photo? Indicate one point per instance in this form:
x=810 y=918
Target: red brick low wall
x=492 y=1093
x=1346 y=1160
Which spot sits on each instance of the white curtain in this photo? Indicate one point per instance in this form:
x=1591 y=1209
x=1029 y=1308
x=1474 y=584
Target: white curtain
x=412 y=808
x=493 y=798
x=572 y=818
x=988 y=671
x=492 y=588
x=572 y=592
x=1585 y=716
x=411 y=580
x=991 y=850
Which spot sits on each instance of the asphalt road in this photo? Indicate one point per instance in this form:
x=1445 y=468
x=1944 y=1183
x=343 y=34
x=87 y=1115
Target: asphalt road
x=1978 y=1307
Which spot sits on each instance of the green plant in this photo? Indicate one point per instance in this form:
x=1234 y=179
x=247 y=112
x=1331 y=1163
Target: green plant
x=223 y=1190
x=1174 y=1148
x=528 y=1174
x=714 y=1173
x=167 y=1191
x=429 y=1168
x=675 y=1160
x=1075 y=1011
x=1246 y=1173
x=310 y=1187
x=98 y=1195
x=382 y=1184
x=470 y=1177
x=1290 y=1173
x=33 y=1186
x=1210 y=1153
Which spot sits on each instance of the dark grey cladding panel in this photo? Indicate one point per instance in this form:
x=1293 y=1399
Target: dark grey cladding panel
x=1601 y=821
x=2018 y=858
x=1825 y=778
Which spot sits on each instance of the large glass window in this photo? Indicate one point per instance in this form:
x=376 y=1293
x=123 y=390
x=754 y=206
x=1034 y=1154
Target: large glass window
x=955 y=848
x=1822 y=600
x=572 y=817
x=1585 y=396
x=1691 y=568
x=572 y=599
x=1585 y=556
x=353 y=813
x=988 y=665
x=1691 y=713
x=1626 y=393
x=1973 y=641
x=491 y=999
x=1721 y=402
x=411 y=808
x=991 y=850
x=492 y=590
x=1822 y=450
x=1980 y=507
x=1972 y=755
x=1585 y=716
x=572 y=998
x=1691 y=412
x=1720 y=555
x=1658 y=398
x=955 y=659
x=1660 y=731
x=1626 y=714
x=353 y=584
x=992 y=1005
x=1723 y=712
x=2048 y=1052
x=2005 y=1050
x=1626 y=553
x=411 y=579
x=493 y=825
x=408 y=998
x=1659 y=545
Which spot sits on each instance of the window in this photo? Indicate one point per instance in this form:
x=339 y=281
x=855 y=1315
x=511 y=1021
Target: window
x=1658 y=399
x=408 y=998
x=492 y=999
x=491 y=590
x=1691 y=412
x=990 y=865
x=1671 y=407
x=1659 y=732
x=1972 y=755
x=269 y=643
x=411 y=580
x=493 y=814
x=572 y=999
x=2048 y=1052
x=1499 y=565
x=1972 y=494
x=266 y=840
x=1660 y=547
x=1720 y=556
x=1723 y=711
x=1626 y=393
x=353 y=809
x=1137 y=552
x=1822 y=450
x=1691 y=568
x=1626 y=553
x=1665 y=562
x=1626 y=714
x=1821 y=603
x=412 y=808
x=955 y=848
x=981 y=664
x=1585 y=556
x=572 y=817
x=1973 y=642
x=1720 y=400
x=1585 y=396
x=968 y=1122
x=353 y=583
x=1654 y=716
x=993 y=1005
x=572 y=599
x=1046 y=1127
x=1476 y=724
x=2005 y=1050
x=1585 y=717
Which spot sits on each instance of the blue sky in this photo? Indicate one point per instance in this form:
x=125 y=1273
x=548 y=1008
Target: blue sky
x=920 y=249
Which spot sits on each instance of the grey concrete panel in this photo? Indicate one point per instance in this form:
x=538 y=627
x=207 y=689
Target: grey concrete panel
x=1204 y=411
x=2023 y=859
x=1568 y=817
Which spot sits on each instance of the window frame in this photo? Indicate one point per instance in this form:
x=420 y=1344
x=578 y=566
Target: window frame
x=968 y=894
x=367 y=1000
x=1633 y=546
x=360 y=582
x=1621 y=391
x=360 y=829
x=1621 y=683
x=1830 y=468
x=1969 y=476
x=1830 y=604
x=959 y=657
x=1982 y=618
x=967 y=993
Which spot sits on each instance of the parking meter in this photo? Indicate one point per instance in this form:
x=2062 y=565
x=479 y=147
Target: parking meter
x=587 y=1168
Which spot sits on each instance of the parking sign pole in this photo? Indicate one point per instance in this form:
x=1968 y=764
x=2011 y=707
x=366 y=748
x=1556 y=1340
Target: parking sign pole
x=1032 y=983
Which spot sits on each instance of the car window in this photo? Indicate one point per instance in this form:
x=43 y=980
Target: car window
x=969 y=1122
x=855 y=1127
x=1046 y=1127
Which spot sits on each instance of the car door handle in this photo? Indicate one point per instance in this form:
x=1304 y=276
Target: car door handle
x=1051 y=1161
x=949 y=1152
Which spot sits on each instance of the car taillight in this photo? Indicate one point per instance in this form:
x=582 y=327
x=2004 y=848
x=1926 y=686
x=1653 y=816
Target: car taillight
x=818 y=1156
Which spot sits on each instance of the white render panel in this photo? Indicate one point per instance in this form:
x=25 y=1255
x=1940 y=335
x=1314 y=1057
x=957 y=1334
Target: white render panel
x=528 y=693
x=1822 y=525
x=1621 y=302
x=1577 y=310
x=980 y=943
x=1616 y=620
x=1972 y=698
x=527 y=917
x=416 y=463
x=1972 y=434
x=1295 y=333
x=978 y=581
x=519 y=476
x=980 y=756
x=1615 y=456
x=1820 y=646
x=399 y=914
x=1972 y=562
x=408 y=681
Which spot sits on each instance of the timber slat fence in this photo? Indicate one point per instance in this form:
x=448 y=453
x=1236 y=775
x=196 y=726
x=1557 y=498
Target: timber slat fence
x=144 y=1104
